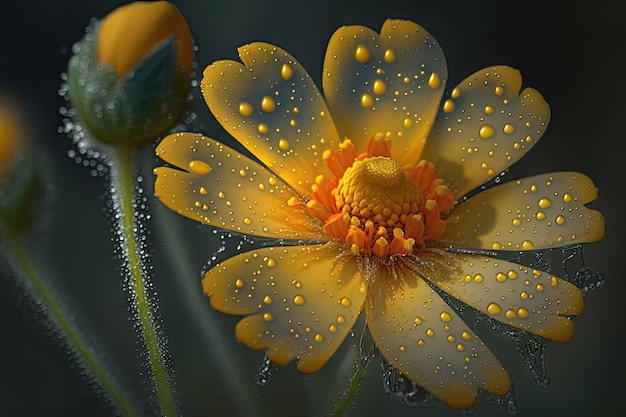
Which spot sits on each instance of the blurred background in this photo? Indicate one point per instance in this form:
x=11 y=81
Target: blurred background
x=570 y=52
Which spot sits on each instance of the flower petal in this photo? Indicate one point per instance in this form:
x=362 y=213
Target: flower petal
x=422 y=336
x=484 y=127
x=303 y=301
x=390 y=83
x=273 y=108
x=222 y=187
x=516 y=295
x=538 y=212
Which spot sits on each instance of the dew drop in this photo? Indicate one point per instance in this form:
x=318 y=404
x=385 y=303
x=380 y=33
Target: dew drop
x=448 y=106
x=499 y=90
x=247 y=221
x=567 y=198
x=298 y=300
x=544 y=203
x=389 y=56
x=367 y=101
x=379 y=87
x=508 y=129
x=264 y=374
x=522 y=312
x=283 y=144
x=362 y=54
x=493 y=308
x=199 y=167
x=434 y=81
x=268 y=317
x=527 y=245
x=486 y=131
x=345 y=301
x=245 y=109
x=286 y=72
x=318 y=337
x=239 y=283
x=445 y=316
x=262 y=128
x=489 y=110
x=268 y=104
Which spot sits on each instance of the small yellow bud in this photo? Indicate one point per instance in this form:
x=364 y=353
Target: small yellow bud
x=130 y=77
x=10 y=136
x=131 y=31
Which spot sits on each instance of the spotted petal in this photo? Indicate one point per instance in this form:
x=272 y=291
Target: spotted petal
x=544 y=211
x=219 y=186
x=484 y=127
x=418 y=332
x=390 y=83
x=273 y=108
x=302 y=301
x=519 y=296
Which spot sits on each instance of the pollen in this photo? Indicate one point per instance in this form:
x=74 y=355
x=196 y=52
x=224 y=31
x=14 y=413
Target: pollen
x=379 y=190
x=375 y=205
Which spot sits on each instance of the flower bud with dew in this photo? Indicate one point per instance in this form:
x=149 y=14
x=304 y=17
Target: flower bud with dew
x=130 y=76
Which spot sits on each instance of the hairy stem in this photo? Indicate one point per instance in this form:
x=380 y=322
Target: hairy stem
x=123 y=192
x=55 y=311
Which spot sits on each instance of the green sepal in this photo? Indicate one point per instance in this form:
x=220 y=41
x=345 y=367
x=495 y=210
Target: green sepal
x=21 y=193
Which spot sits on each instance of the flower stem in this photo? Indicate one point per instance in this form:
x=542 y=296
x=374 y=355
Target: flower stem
x=346 y=400
x=123 y=186
x=50 y=304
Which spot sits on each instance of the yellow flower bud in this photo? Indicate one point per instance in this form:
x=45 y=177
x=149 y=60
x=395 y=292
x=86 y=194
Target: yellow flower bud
x=130 y=31
x=10 y=136
x=130 y=77
x=21 y=172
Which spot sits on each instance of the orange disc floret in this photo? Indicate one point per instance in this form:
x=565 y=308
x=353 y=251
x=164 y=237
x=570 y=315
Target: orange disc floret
x=375 y=205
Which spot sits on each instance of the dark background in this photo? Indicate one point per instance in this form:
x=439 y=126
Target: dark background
x=571 y=52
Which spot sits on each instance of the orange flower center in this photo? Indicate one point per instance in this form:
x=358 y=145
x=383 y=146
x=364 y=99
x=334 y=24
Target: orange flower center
x=375 y=205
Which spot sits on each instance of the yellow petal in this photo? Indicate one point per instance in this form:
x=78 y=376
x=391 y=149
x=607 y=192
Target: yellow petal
x=130 y=31
x=424 y=339
x=273 y=108
x=484 y=127
x=516 y=295
x=302 y=301
x=217 y=185
x=544 y=211
x=390 y=83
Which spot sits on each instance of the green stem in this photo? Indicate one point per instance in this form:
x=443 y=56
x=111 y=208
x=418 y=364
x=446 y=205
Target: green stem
x=40 y=291
x=124 y=182
x=346 y=400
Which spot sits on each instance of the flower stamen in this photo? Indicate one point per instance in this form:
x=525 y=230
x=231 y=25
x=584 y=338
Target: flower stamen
x=375 y=205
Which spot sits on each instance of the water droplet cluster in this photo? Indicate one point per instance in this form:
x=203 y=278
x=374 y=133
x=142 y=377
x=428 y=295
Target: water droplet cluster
x=283 y=314
x=485 y=125
x=388 y=83
x=537 y=212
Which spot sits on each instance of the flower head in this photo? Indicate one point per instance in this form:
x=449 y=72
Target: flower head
x=129 y=79
x=372 y=179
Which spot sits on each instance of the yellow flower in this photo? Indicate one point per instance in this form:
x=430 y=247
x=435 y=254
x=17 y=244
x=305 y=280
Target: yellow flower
x=370 y=181
x=130 y=77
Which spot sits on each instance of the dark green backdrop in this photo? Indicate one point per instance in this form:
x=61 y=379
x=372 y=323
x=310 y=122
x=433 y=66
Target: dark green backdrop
x=570 y=51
